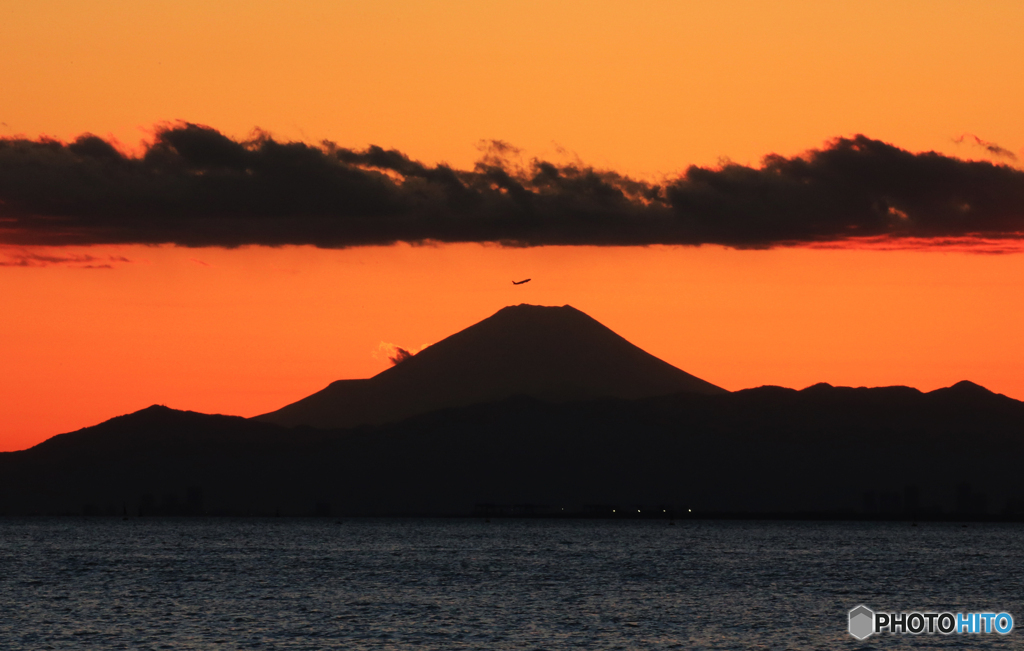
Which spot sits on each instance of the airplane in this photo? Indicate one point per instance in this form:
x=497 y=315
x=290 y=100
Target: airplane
x=521 y=282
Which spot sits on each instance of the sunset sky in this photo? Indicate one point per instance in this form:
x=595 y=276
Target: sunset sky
x=226 y=303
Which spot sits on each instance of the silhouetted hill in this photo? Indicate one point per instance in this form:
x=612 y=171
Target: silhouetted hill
x=888 y=452
x=552 y=353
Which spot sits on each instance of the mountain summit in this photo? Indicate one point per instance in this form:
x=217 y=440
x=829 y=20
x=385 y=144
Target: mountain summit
x=552 y=353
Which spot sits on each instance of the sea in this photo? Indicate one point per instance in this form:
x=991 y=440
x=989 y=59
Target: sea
x=166 y=583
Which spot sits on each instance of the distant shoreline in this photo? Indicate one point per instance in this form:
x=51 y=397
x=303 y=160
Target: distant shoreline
x=704 y=517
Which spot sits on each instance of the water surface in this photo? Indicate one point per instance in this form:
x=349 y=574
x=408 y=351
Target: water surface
x=508 y=584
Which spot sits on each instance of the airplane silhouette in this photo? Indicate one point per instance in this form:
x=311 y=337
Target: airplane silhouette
x=520 y=282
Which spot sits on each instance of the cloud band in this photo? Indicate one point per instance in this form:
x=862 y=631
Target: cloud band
x=193 y=186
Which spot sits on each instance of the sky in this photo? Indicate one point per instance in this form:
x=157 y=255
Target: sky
x=226 y=206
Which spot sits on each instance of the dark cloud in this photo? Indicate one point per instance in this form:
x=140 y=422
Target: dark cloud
x=25 y=258
x=990 y=147
x=196 y=187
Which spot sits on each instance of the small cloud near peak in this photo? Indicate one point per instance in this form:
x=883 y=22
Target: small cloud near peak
x=395 y=354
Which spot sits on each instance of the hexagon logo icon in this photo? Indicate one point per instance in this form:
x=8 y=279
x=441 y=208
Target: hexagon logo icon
x=862 y=620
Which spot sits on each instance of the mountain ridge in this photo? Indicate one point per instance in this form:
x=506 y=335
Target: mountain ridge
x=949 y=453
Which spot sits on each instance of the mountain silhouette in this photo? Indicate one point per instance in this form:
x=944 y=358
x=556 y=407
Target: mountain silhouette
x=555 y=354
x=824 y=451
x=544 y=411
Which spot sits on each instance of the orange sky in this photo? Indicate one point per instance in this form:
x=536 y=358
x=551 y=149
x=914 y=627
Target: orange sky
x=647 y=87
x=642 y=87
